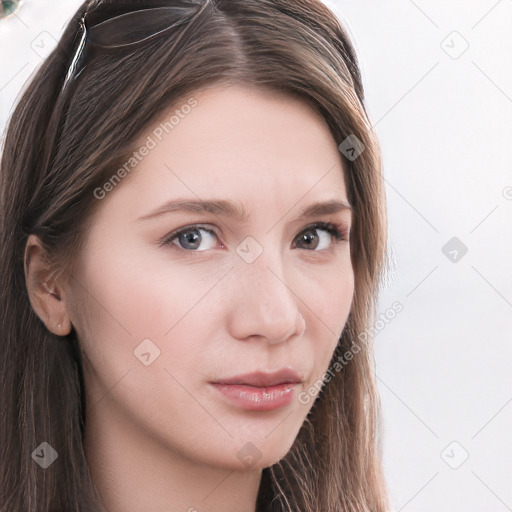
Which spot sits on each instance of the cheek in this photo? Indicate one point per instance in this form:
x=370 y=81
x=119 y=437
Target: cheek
x=135 y=296
x=329 y=303
x=131 y=314
x=328 y=295
x=126 y=302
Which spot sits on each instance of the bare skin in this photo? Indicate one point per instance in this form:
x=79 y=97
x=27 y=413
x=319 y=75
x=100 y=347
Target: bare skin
x=159 y=437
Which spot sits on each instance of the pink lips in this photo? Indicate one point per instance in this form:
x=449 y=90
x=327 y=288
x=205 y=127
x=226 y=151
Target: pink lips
x=260 y=391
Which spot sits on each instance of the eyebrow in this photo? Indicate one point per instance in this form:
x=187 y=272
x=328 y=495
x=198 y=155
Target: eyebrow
x=232 y=210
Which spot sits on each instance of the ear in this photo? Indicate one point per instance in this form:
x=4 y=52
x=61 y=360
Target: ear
x=45 y=293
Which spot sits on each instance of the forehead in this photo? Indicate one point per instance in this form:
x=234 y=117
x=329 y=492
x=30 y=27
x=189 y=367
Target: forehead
x=237 y=142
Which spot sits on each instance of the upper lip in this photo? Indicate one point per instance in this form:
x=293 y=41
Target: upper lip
x=265 y=378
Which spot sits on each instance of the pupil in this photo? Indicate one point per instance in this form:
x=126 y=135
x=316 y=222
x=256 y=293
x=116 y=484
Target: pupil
x=309 y=237
x=191 y=237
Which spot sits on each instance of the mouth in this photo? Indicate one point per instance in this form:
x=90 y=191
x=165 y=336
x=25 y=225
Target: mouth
x=260 y=390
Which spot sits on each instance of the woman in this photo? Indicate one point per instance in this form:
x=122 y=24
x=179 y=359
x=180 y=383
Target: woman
x=193 y=236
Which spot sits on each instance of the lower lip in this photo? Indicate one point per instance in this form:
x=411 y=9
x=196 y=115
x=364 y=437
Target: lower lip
x=258 y=399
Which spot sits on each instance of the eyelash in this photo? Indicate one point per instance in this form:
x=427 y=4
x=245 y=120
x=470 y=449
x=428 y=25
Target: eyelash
x=339 y=233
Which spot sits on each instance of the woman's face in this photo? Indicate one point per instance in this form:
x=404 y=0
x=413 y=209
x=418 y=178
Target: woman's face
x=161 y=317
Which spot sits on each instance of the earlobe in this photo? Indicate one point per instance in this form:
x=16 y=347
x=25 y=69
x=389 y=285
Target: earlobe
x=45 y=293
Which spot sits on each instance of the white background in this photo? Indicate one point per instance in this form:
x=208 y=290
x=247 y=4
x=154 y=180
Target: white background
x=444 y=120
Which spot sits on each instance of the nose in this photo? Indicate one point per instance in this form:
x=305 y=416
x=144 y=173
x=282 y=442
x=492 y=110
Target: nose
x=264 y=305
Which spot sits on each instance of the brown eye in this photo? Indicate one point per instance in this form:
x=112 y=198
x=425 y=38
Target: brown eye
x=312 y=240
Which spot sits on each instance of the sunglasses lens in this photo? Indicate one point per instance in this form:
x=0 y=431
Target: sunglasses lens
x=8 y=7
x=137 y=26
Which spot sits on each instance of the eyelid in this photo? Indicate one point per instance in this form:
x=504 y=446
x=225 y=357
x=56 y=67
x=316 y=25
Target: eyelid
x=339 y=231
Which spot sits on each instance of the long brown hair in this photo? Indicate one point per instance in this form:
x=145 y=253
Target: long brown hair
x=298 y=47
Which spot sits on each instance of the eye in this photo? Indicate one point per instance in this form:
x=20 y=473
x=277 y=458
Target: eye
x=190 y=238
x=315 y=237
x=313 y=241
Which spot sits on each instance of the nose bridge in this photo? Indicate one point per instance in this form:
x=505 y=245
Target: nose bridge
x=269 y=282
x=266 y=305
